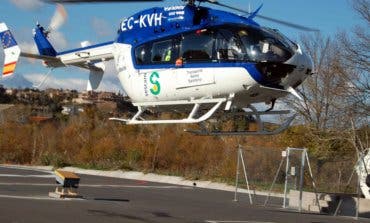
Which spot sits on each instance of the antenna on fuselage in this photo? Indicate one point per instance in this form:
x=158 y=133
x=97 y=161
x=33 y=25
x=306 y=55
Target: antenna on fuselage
x=190 y=2
x=193 y=2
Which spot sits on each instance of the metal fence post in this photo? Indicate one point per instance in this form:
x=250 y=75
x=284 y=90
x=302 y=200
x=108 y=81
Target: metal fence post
x=286 y=178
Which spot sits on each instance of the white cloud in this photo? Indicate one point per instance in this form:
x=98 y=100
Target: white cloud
x=28 y=4
x=101 y=27
x=58 y=40
x=110 y=69
x=110 y=80
x=110 y=84
x=28 y=47
x=107 y=84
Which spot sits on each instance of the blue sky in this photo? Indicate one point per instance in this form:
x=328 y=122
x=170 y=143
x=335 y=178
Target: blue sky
x=99 y=22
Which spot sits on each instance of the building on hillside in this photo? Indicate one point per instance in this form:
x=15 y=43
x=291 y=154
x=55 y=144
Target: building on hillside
x=10 y=91
x=71 y=110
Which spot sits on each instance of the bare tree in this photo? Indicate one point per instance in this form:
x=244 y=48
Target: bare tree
x=335 y=109
x=338 y=94
x=355 y=54
x=324 y=93
x=363 y=8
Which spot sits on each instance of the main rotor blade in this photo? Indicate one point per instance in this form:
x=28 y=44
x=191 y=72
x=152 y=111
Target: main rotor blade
x=97 y=1
x=59 y=18
x=289 y=24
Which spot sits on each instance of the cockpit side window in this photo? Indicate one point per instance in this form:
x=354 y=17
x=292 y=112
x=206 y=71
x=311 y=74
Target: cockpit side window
x=142 y=54
x=162 y=52
x=262 y=46
x=228 y=46
x=197 y=46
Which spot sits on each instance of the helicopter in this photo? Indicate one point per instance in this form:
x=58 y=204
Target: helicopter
x=205 y=60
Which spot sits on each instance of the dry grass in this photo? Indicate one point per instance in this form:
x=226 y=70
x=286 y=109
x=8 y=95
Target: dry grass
x=90 y=141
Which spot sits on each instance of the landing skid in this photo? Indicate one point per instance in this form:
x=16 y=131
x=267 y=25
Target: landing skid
x=139 y=120
x=261 y=130
x=194 y=117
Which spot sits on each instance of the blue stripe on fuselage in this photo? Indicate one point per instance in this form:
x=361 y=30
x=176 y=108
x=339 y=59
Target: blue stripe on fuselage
x=250 y=67
x=252 y=70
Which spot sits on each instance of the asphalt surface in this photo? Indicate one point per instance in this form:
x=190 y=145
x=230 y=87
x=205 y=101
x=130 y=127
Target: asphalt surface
x=24 y=198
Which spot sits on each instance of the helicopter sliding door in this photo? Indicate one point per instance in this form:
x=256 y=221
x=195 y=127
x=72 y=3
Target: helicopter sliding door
x=155 y=63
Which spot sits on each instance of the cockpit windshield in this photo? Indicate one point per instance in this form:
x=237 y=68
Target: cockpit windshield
x=236 y=43
x=257 y=45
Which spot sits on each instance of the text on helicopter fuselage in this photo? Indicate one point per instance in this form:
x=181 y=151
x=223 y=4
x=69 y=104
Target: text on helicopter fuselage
x=147 y=20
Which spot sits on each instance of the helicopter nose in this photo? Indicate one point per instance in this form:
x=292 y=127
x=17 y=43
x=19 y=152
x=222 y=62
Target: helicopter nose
x=303 y=67
x=301 y=61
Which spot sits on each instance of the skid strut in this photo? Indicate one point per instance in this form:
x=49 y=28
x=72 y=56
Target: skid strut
x=137 y=119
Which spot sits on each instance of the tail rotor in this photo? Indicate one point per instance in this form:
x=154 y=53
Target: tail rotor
x=58 y=19
x=41 y=35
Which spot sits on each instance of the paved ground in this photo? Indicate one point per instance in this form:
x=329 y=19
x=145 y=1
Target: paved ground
x=23 y=198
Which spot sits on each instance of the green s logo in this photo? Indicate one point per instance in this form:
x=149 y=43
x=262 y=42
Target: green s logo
x=156 y=89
